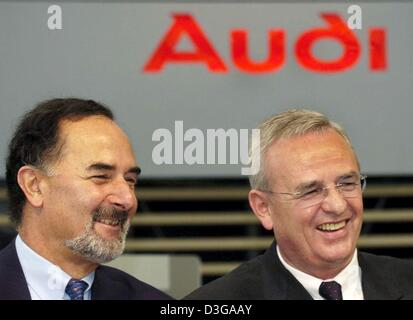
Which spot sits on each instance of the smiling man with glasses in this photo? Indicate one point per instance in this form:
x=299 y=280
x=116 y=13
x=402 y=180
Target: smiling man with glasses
x=309 y=193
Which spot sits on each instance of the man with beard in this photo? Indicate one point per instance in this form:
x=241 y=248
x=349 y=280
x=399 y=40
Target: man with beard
x=71 y=175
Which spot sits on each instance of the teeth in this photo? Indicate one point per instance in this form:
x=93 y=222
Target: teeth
x=331 y=226
x=110 y=222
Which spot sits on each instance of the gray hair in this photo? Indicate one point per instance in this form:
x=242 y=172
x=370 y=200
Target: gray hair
x=289 y=124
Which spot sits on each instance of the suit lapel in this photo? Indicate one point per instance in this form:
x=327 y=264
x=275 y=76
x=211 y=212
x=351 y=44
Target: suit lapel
x=278 y=282
x=13 y=285
x=105 y=288
x=375 y=284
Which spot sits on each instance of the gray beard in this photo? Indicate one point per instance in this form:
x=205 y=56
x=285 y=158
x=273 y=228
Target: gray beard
x=94 y=248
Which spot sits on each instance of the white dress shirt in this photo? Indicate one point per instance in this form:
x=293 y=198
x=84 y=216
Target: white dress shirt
x=349 y=279
x=45 y=280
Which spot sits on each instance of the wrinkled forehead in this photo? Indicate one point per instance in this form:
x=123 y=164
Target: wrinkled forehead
x=311 y=154
x=94 y=138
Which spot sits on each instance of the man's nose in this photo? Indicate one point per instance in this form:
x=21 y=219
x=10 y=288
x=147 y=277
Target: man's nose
x=123 y=196
x=334 y=202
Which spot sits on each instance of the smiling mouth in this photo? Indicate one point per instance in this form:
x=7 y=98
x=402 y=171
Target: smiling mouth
x=110 y=218
x=110 y=222
x=331 y=227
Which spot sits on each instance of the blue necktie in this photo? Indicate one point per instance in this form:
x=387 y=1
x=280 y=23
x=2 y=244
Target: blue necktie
x=330 y=290
x=75 y=289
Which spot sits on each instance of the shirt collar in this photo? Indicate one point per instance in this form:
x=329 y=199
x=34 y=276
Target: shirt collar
x=349 y=279
x=45 y=280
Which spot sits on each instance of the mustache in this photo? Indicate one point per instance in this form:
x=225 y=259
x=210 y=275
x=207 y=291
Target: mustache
x=109 y=213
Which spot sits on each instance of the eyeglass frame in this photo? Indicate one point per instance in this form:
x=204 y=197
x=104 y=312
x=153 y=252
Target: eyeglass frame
x=298 y=195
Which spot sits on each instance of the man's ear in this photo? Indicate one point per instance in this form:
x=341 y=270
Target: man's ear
x=29 y=180
x=260 y=205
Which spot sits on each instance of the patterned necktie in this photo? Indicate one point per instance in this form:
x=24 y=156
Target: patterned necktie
x=330 y=290
x=75 y=289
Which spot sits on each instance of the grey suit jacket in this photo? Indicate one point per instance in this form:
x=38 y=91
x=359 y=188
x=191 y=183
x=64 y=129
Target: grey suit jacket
x=109 y=283
x=265 y=278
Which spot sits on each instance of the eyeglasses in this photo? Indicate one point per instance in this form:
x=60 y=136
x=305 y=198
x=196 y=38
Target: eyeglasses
x=316 y=195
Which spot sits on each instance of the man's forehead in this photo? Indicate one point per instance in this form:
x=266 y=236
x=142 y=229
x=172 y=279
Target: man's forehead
x=96 y=129
x=305 y=157
x=328 y=143
x=88 y=125
x=95 y=139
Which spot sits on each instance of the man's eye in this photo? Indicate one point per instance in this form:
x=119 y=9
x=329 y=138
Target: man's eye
x=131 y=181
x=101 y=177
x=310 y=193
x=347 y=186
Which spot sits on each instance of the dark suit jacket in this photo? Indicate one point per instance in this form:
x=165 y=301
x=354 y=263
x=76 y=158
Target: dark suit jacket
x=109 y=283
x=265 y=278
